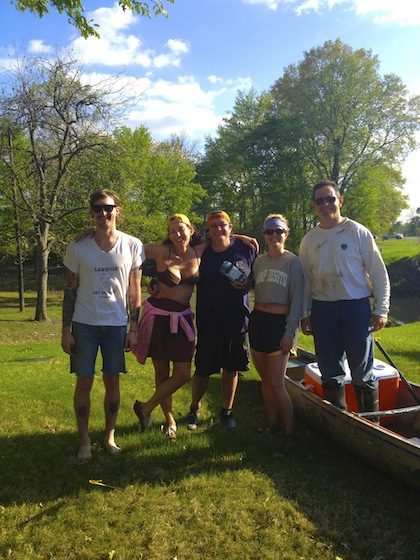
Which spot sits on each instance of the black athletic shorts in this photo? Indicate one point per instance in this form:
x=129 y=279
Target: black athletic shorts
x=214 y=353
x=266 y=331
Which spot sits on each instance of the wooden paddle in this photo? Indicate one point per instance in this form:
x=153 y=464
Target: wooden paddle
x=391 y=362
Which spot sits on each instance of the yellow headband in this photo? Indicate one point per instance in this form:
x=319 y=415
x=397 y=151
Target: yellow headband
x=218 y=216
x=179 y=219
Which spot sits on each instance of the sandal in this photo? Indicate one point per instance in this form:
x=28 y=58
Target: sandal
x=171 y=433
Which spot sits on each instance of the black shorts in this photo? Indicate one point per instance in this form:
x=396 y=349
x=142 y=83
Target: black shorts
x=230 y=353
x=266 y=331
x=164 y=345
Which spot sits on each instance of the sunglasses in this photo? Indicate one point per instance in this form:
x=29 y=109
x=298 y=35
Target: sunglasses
x=272 y=231
x=329 y=199
x=97 y=208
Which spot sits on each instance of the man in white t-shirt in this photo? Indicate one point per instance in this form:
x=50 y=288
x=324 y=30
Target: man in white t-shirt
x=102 y=294
x=343 y=269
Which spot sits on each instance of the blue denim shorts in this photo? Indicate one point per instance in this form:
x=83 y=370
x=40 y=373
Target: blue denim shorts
x=88 y=339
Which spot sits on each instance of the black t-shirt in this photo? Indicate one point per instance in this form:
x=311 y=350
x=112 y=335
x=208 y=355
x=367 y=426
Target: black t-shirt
x=221 y=308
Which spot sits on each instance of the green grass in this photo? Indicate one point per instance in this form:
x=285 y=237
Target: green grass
x=211 y=495
x=394 y=249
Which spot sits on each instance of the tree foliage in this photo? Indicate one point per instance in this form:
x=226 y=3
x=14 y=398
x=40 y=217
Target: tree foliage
x=347 y=114
x=156 y=179
x=330 y=116
x=74 y=10
x=64 y=123
x=66 y=145
x=237 y=169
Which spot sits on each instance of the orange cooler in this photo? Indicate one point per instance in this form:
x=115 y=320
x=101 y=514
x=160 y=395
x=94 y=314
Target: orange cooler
x=387 y=376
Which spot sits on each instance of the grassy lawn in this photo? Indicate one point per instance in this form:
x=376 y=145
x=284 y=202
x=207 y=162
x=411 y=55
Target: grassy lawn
x=211 y=495
x=395 y=249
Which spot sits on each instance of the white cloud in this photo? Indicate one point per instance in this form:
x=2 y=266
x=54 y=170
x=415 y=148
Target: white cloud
x=215 y=79
x=401 y=12
x=116 y=47
x=165 y=105
x=183 y=106
x=177 y=46
x=270 y=4
x=39 y=47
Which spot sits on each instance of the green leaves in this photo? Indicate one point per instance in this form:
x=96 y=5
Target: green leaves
x=332 y=116
x=75 y=11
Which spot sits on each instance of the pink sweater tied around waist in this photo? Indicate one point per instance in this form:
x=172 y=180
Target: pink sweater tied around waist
x=140 y=350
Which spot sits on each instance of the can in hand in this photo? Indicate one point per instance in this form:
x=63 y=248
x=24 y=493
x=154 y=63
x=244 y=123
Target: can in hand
x=230 y=271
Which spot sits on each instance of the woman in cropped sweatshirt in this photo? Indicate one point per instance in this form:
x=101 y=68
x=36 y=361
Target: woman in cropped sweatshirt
x=278 y=281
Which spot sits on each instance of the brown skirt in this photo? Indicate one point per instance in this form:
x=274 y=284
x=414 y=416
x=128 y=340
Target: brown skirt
x=164 y=345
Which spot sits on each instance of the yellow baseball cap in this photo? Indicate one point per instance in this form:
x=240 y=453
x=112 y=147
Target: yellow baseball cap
x=179 y=219
x=218 y=215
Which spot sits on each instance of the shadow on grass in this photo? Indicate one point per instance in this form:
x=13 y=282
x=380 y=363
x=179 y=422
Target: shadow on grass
x=314 y=474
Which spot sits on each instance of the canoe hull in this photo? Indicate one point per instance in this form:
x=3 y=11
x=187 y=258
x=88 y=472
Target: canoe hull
x=378 y=445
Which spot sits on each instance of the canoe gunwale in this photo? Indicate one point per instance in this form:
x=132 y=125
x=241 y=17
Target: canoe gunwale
x=380 y=446
x=390 y=412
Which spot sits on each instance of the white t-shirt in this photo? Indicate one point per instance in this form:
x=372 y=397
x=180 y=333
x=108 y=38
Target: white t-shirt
x=102 y=294
x=343 y=263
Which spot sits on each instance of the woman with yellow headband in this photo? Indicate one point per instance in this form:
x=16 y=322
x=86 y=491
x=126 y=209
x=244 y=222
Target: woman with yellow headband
x=166 y=329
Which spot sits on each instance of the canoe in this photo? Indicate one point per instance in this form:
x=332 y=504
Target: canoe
x=393 y=446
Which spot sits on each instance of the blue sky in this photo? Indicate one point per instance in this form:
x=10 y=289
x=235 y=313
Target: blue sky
x=191 y=65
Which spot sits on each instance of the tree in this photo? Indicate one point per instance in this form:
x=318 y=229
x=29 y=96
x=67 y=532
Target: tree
x=232 y=170
x=254 y=167
x=65 y=123
x=347 y=116
x=376 y=187
x=412 y=228
x=74 y=10
x=331 y=116
x=10 y=182
x=156 y=180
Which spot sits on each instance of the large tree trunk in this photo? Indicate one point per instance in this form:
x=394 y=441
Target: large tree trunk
x=42 y=277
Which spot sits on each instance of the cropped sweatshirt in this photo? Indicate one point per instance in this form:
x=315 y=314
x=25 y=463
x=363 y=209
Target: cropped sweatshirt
x=280 y=280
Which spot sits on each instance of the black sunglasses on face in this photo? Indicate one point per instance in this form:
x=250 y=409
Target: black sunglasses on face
x=97 y=208
x=329 y=199
x=272 y=231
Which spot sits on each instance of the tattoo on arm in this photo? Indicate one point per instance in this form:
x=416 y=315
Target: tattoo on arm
x=136 y=272
x=69 y=300
x=134 y=314
x=134 y=308
x=134 y=298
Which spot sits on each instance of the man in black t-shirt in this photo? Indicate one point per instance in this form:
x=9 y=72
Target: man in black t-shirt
x=222 y=318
